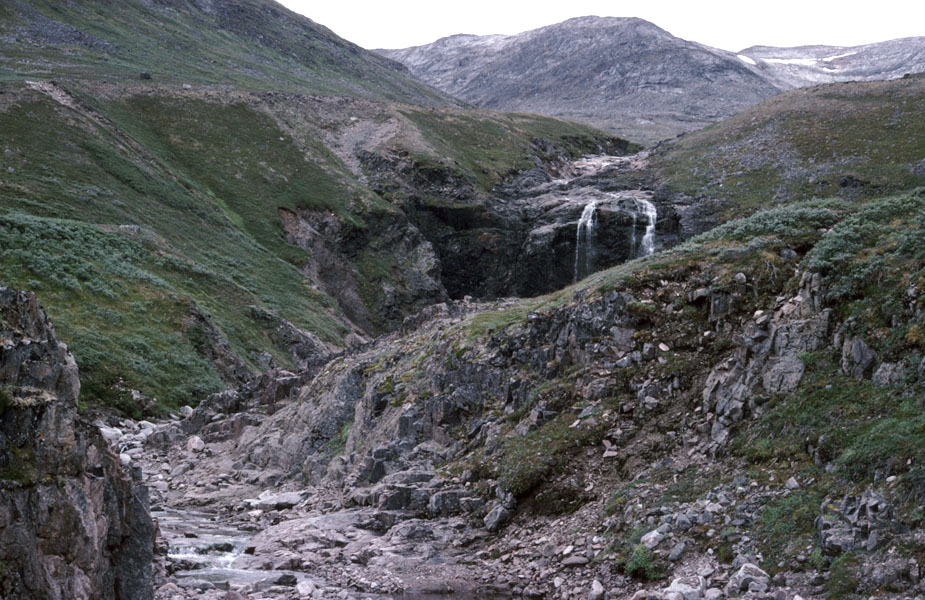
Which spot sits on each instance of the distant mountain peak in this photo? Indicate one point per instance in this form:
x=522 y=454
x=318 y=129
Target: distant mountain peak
x=633 y=77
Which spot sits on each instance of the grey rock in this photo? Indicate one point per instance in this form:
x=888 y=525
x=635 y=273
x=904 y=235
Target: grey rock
x=496 y=517
x=747 y=576
x=889 y=374
x=86 y=515
x=854 y=522
x=443 y=504
x=688 y=588
x=575 y=560
x=195 y=444
x=857 y=359
x=597 y=591
x=783 y=374
x=652 y=539
x=676 y=552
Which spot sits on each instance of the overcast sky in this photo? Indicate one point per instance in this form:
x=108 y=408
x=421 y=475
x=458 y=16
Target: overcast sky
x=720 y=23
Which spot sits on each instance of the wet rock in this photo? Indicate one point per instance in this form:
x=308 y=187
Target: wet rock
x=267 y=500
x=305 y=588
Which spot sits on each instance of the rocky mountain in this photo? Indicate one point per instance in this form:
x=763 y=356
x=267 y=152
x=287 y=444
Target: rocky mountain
x=633 y=78
x=625 y=75
x=242 y=227
x=389 y=346
x=810 y=65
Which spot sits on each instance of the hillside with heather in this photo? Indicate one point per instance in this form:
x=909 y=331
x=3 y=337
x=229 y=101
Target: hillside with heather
x=278 y=321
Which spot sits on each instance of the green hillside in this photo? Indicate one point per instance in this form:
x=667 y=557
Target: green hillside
x=249 y=44
x=135 y=214
x=858 y=140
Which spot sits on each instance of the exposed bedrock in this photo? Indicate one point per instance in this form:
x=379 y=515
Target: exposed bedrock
x=73 y=523
x=522 y=239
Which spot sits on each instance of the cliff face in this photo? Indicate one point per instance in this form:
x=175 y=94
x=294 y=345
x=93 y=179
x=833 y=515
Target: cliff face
x=73 y=523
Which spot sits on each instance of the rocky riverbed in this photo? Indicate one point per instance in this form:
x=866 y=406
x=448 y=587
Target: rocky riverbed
x=358 y=484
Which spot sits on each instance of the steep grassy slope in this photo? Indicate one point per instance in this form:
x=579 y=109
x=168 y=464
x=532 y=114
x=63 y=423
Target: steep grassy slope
x=852 y=139
x=251 y=44
x=150 y=222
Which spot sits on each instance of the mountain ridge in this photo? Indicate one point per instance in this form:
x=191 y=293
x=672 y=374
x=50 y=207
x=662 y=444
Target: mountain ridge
x=636 y=78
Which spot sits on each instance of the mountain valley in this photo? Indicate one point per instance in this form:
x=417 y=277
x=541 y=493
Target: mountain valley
x=321 y=330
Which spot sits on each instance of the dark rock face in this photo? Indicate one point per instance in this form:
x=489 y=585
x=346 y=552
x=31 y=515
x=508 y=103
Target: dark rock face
x=348 y=263
x=522 y=239
x=73 y=523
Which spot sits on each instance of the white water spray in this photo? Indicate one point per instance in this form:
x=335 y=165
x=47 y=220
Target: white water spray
x=583 y=246
x=647 y=246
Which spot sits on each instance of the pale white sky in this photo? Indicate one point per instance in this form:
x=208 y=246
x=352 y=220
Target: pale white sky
x=731 y=25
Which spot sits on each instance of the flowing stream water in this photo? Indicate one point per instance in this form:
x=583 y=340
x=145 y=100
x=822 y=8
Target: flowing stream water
x=584 y=246
x=584 y=243
x=647 y=246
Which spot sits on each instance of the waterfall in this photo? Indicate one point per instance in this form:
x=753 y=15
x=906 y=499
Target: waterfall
x=647 y=246
x=583 y=245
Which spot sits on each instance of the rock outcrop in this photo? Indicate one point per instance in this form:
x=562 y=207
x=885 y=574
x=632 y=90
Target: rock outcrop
x=73 y=523
x=522 y=238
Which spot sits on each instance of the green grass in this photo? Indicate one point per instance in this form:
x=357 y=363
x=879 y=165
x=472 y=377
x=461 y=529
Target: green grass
x=136 y=212
x=865 y=431
x=485 y=147
x=852 y=139
x=527 y=461
x=786 y=525
x=146 y=239
x=246 y=44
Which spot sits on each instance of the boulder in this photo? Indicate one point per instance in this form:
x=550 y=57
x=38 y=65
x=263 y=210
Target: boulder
x=889 y=374
x=497 y=517
x=749 y=577
x=857 y=359
x=687 y=588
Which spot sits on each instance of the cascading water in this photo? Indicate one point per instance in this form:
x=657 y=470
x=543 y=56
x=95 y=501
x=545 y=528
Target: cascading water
x=647 y=246
x=584 y=247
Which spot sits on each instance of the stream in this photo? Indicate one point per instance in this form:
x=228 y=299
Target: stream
x=206 y=550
